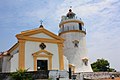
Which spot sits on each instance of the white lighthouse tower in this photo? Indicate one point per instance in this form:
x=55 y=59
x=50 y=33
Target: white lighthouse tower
x=73 y=31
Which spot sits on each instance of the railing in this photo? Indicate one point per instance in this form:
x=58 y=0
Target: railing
x=67 y=18
x=63 y=29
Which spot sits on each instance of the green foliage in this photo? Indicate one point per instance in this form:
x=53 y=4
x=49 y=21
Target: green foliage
x=101 y=65
x=21 y=75
x=50 y=79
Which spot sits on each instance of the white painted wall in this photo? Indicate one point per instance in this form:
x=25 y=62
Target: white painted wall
x=6 y=64
x=10 y=63
x=41 y=35
x=66 y=64
x=53 y=48
x=75 y=54
x=32 y=47
x=14 y=60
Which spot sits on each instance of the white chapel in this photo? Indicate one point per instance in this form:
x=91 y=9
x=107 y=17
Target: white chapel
x=40 y=49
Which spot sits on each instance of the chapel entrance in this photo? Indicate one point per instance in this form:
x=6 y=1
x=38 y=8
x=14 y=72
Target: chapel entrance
x=42 y=64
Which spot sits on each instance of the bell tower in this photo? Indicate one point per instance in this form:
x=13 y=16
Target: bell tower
x=73 y=31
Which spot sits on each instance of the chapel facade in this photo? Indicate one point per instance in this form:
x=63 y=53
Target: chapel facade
x=40 y=49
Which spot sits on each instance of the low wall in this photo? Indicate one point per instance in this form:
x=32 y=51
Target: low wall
x=96 y=75
x=61 y=75
x=35 y=75
x=64 y=75
x=41 y=75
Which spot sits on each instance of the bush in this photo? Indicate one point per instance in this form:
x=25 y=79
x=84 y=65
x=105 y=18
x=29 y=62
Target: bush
x=21 y=75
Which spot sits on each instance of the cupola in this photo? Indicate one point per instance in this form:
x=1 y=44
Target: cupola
x=70 y=14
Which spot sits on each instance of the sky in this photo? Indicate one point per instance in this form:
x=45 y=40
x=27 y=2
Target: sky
x=101 y=19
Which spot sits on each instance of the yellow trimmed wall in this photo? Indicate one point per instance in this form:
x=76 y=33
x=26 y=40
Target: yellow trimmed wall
x=21 y=54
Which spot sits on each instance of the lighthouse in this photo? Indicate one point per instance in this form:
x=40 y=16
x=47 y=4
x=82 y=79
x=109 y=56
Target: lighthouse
x=73 y=31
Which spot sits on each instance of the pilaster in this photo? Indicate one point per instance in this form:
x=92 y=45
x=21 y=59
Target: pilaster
x=21 y=64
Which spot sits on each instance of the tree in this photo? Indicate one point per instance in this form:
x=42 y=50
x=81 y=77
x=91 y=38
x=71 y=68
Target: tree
x=102 y=65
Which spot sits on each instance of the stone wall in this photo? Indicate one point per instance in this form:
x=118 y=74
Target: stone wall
x=41 y=75
x=96 y=75
x=35 y=75
x=64 y=75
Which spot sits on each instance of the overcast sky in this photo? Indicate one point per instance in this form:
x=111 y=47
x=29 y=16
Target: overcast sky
x=101 y=18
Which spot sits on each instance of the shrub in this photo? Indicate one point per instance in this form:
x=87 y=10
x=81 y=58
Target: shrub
x=21 y=75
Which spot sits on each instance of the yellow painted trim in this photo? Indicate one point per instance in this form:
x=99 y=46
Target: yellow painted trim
x=72 y=68
x=46 y=52
x=72 y=31
x=21 y=54
x=39 y=55
x=35 y=63
x=13 y=48
x=50 y=62
x=55 y=69
x=30 y=30
x=61 y=56
x=39 y=30
x=70 y=20
x=39 y=39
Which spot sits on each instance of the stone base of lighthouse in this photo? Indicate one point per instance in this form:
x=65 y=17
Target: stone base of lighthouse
x=83 y=69
x=76 y=52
